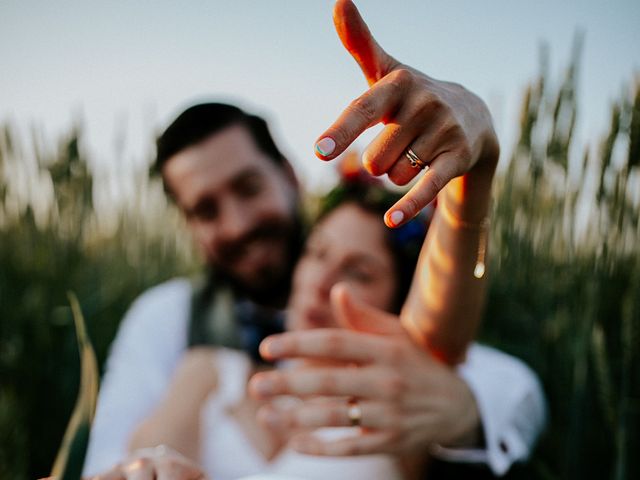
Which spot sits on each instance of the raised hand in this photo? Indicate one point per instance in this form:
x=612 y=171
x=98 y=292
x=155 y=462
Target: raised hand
x=447 y=128
x=407 y=399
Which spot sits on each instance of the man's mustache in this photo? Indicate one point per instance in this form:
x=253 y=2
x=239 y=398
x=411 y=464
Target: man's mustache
x=232 y=251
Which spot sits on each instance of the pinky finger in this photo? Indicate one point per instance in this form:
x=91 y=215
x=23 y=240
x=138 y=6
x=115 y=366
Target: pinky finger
x=441 y=171
x=367 y=443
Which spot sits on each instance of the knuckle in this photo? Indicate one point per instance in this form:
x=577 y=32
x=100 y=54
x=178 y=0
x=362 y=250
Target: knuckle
x=465 y=152
x=393 y=386
x=326 y=382
x=401 y=77
x=371 y=162
x=412 y=204
x=430 y=105
x=438 y=181
x=364 y=108
x=391 y=417
x=453 y=132
x=333 y=342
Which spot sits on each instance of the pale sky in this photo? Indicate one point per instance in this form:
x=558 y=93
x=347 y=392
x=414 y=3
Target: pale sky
x=128 y=67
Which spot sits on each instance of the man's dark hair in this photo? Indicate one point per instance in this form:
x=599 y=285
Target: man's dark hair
x=200 y=121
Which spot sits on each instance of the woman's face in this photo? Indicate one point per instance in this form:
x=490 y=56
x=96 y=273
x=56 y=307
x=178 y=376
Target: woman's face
x=349 y=246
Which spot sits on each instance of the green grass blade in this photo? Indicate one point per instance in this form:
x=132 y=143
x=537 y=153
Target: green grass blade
x=70 y=458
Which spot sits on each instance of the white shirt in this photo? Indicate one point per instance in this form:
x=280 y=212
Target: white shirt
x=153 y=338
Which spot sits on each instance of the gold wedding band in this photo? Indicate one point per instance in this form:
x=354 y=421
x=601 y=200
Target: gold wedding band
x=415 y=160
x=354 y=412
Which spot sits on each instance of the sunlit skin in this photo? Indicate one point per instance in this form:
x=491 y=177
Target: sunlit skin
x=357 y=40
x=347 y=246
x=238 y=204
x=451 y=130
x=444 y=306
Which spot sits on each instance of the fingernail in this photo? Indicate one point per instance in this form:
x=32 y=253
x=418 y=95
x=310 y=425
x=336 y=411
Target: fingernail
x=274 y=347
x=325 y=146
x=263 y=386
x=396 y=217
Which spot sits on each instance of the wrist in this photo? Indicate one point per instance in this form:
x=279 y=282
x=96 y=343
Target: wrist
x=471 y=192
x=468 y=198
x=469 y=432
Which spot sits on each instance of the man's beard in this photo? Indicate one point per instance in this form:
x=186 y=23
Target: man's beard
x=273 y=284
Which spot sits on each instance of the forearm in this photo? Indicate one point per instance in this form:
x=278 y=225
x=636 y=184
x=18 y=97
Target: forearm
x=445 y=304
x=176 y=422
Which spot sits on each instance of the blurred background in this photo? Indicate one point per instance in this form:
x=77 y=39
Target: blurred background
x=86 y=86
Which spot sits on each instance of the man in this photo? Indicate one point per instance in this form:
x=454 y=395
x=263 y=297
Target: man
x=240 y=197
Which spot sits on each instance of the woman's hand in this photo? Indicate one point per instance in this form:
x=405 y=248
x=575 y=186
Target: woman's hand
x=447 y=127
x=176 y=420
x=159 y=463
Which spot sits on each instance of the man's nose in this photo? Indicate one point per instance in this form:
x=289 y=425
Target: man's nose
x=234 y=222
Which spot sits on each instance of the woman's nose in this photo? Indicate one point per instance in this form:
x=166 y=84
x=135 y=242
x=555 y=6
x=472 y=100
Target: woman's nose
x=324 y=279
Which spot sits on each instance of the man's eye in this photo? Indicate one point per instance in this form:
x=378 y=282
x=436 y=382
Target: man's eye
x=204 y=214
x=249 y=188
x=203 y=211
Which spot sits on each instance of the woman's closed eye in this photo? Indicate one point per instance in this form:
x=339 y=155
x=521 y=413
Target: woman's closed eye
x=358 y=272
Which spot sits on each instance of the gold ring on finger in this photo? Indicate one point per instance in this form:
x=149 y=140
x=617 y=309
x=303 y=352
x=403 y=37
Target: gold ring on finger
x=354 y=412
x=415 y=160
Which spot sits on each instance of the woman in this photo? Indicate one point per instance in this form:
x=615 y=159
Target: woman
x=349 y=246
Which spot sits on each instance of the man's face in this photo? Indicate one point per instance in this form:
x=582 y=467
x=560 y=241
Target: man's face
x=239 y=205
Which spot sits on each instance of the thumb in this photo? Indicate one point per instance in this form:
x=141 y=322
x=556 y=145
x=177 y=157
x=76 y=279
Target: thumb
x=374 y=62
x=356 y=315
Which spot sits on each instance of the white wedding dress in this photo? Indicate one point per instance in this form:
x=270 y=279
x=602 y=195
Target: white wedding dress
x=227 y=454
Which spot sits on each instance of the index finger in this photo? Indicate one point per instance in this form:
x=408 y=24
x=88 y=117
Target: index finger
x=369 y=109
x=329 y=344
